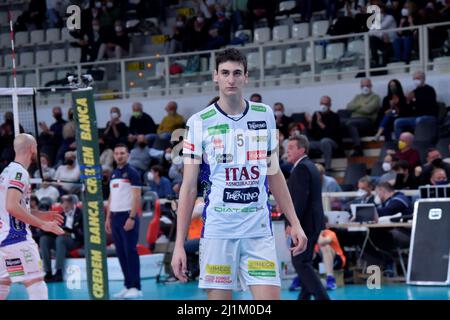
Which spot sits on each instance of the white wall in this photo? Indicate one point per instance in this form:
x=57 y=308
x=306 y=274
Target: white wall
x=295 y=99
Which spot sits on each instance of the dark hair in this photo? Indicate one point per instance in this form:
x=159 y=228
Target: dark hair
x=386 y=186
x=121 y=145
x=255 y=95
x=158 y=169
x=401 y=164
x=213 y=100
x=231 y=54
x=432 y=149
x=399 y=93
x=302 y=142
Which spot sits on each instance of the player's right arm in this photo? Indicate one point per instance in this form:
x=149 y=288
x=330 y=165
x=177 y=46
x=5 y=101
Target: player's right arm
x=108 y=216
x=188 y=195
x=13 y=197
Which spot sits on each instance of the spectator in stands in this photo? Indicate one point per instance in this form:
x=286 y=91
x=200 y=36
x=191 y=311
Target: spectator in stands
x=33 y=18
x=382 y=41
x=175 y=172
x=46 y=190
x=324 y=131
x=54 y=9
x=365 y=188
x=139 y=155
x=439 y=177
x=394 y=106
x=329 y=184
x=434 y=161
x=70 y=240
x=178 y=40
x=222 y=23
x=68 y=135
x=117 y=46
x=116 y=131
x=197 y=32
x=329 y=251
x=256 y=97
x=45 y=167
x=392 y=202
x=404 y=178
x=96 y=36
x=158 y=183
x=403 y=44
x=422 y=101
x=110 y=13
x=260 y=9
x=215 y=39
x=140 y=123
x=387 y=166
x=67 y=173
x=171 y=121
x=106 y=177
x=364 y=108
x=282 y=121
x=51 y=138
x=406 y=150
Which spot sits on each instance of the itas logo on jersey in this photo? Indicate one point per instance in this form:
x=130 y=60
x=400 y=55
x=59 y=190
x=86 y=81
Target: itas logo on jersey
x=239 y=177
x=247 y=195
x=256 y=125
x=257 y=155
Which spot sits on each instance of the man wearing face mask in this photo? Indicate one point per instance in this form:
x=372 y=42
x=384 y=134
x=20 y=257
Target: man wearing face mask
x=117 y=46
x=139 y=155
x=434 y=161
x=51 y=138
x=439 y=177
x=158 y=183
x=364 y=193
x=282 y=121
x=404 y=42
x=324 y=131
x=406 y=150
x=422 y=100
x=364 y=109
x=69 y=171
x=140 y=123
x=116 y=131
x=387 y=166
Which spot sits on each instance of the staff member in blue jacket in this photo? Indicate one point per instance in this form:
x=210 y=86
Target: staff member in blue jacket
x=122 y=221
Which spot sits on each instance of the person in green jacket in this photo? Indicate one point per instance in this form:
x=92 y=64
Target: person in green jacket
x=364 y=109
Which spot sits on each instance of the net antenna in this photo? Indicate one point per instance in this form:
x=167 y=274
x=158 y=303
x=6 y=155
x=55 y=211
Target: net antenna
x=15 y=98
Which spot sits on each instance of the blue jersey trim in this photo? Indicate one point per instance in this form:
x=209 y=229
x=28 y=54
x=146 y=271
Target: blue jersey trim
x=205 y=182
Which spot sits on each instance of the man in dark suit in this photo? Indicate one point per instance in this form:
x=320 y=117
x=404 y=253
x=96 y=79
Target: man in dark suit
x=306 y=192
x=70 y=240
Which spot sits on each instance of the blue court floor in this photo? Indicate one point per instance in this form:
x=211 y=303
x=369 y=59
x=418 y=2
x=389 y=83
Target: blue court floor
x=190 y=291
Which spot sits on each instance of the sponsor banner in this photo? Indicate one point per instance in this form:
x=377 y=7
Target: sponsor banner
x=93 y=215
x=244 y=195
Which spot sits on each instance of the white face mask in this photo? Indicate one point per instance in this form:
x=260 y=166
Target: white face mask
x=150 y=176
x=365 y=90
x=114 y=115
x=323 y=108
x=118 y=28
x=109 y=4
x=377 y=200
x=98 y=4
x=168 y=156
x=179 y=23
x=405 y=12
x=360 y=193
x=278 y=113
x=386 y=166
x=200 y=19
x=417 y=82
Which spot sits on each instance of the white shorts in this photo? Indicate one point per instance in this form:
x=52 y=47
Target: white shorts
x=20 y=261
x=232 y=264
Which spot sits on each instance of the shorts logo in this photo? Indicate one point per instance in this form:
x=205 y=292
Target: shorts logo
x=224 y=158
x=218 y=279
x=261 y=268
x=18 y=176
x=256 y=155
x=188 y=146
x=256 y=125
x=14 y=267
x=27 y=255
x=247 y=195
x=222 y=269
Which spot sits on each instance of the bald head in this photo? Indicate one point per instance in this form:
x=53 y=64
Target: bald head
x=24 y=141
x=407 y=138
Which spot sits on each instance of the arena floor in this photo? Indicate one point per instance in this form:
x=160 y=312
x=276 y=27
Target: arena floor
x=190 y=291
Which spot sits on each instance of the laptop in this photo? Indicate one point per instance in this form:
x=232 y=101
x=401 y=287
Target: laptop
x=364 y=212
x=337 y=217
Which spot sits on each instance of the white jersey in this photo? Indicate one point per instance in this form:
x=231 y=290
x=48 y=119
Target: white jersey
x=12 y=231
x=233 y=172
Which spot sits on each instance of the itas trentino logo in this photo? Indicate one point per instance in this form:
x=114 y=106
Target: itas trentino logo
x=256 y=125
x=247 y=195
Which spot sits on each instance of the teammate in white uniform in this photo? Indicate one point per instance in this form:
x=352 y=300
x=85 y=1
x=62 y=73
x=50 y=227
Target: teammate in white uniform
x=229 y=145
x=19 y=254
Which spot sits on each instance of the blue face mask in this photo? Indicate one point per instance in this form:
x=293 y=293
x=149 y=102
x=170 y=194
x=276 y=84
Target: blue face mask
x=441 y=183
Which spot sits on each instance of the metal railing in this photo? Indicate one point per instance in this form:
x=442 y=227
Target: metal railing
x=150 y=75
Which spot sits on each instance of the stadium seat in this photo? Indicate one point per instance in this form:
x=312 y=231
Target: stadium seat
x=356 y=46
x=3 y=81
x=293 y=56
x=159 y=69
x=47 y=76
x=8 y=61
x=396 y=67
x=280 y=33
x=377 y=169
x=306 y=77
x=426 y=130
x=30 y=80
x=442 y=64
x=4 y=18
x=42 y=57
x=153 y=91
x=37 y=36
x=136 y=92
x=247 y=32
x=334 y=51
x=318 y=52
x=442 y=146
x=208 y=86
x=253 y=60
x=52 y=35
x=287 y=79
x=274 y=58
x=65 y=35
x=286 y=6
x=262 y=35
x=19 y=80
x=414 y=66
x=329 y=75
x=353 y=173
x=26 y=59
x=131 y=23
x=190 y=87
x=270 y=80
x=5 y=40
x=349 y=72
x=300 y=30
x=21 y=38
x=58 y=56
x=320 y=28
x=74 y=55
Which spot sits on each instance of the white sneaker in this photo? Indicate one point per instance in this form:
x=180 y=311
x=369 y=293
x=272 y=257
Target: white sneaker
x=133 y=293
x=121 y=293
